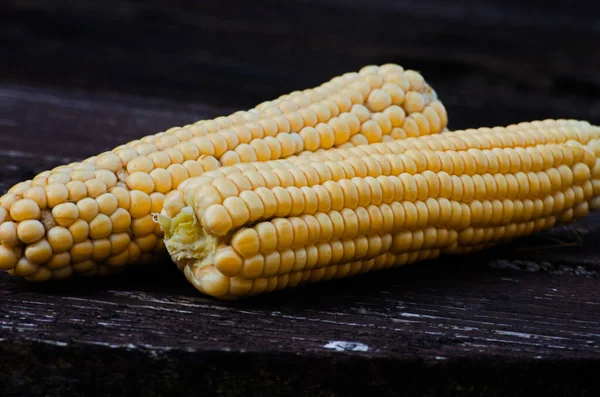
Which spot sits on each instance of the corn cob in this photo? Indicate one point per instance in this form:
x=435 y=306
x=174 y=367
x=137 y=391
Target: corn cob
x=95 y=217
x=253 y=228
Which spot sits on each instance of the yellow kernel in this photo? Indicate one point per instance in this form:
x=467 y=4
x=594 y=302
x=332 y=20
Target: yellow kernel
x=156 y=202
x=237 y=210
x=79 y=230
x=95 y=187
x=287 y=259
x=375 y=219
x=241 y=182
x=25 y=209
x=417 y=82
x=25 y=268
x=101 y=249
x=284 y=145
x=327 y=137
x=390 y=68
x=581 y=173
x=81 y=251
x=43 y=274
x=361 y=112
x=59 y=261
x=38 y=252
x=162 y=180
x=378 y=100
x=308 y=116
x=178 y=175
x=140 y=181
x=100 y=227
x=8 y=233
x=434 y=120
x=269 y=201
x=374 y=80
x=322 y=112
x=422 y=123
x=348 y=119
x=82 y=175
x=37 y=194
x=216 y=220
x=246 y=153
x=190 y=150
x=107 y=203
x=122 y=196
x=8 y=259
x=269 y=126
x=118 y=260
x=267 y=235
x=414 y=102
x=384 y=123
x=283 y=125
x=60 y=239
x=135 y=253
x=225 y=188
x=228 y=261
x=160 y=159
x=410 y=127
x=121 y=220
x=140 y=164
x=140 y=204
x=311 y=138
x=283 y=200
x=109 y=161
x=165 y=141
x=28 y=231
x=246 y=242
x=119 y=242
x=372 y=131
x=396 y=93
x=261 y=150
x=142 y=226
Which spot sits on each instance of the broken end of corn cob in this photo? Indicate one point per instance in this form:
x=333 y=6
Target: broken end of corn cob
x=186 y=240
x=193 y=251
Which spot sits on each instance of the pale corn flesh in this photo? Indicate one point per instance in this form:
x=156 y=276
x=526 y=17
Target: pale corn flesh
x=95 y=217
x=258 y=227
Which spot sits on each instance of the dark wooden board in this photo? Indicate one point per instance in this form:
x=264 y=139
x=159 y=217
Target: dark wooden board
x=432 y=329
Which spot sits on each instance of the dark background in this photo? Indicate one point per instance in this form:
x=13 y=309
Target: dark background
x=492 y=62
x=81 y=77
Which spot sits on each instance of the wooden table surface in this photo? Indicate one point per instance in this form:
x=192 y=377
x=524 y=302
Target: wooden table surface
x=516 y=320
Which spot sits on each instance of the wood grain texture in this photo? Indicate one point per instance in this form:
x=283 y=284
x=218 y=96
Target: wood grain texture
x=435 y=329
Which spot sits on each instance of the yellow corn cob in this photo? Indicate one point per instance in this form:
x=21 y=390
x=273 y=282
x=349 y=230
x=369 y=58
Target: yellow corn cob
x=253 y=228
x=94 y=217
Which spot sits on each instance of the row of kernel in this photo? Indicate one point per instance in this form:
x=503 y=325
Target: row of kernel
x=263 y=203
x=295 y=232
x=212 y=282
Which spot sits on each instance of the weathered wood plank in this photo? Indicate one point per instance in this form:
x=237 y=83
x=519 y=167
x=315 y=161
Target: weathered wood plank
x=434 y=329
